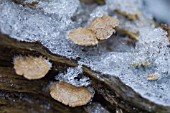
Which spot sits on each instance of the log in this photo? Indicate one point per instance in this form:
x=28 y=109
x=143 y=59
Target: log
x=18 y=95
x=110 y=87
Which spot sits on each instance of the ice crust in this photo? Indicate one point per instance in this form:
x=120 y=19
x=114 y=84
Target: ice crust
x=49 y=22
x=130 y=7
x=72 y=76
x=95 y=107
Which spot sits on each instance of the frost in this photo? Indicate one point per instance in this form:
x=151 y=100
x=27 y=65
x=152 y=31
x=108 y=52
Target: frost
x=59 y=7
x=129 y=7
x=98 y=12
x=152 y=49
x=72 y=76
x=96 y=108
x=50 y=25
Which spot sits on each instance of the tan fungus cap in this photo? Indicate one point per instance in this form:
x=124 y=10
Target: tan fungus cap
x=83 y=37
x=104 y=26
x=100 y=29
x=69 y=94
x=103 y=33
x=104 y=22
x=153 y=77
x=31 y=67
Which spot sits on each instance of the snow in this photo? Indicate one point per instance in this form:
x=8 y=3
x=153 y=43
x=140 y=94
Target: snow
x=96 y=108
x=130 y=7
x=72 y=76
x=158 y=9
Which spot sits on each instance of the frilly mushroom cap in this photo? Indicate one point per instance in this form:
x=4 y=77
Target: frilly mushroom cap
x=100 y=29
x=103 y=27
x=103 y=33
x=31 y=67
x=104 y=22
x=153 y=77
x=69 y=94
x=83 y=37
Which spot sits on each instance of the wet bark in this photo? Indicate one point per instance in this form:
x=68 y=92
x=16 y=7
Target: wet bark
x=18 y=95
x=16 y=88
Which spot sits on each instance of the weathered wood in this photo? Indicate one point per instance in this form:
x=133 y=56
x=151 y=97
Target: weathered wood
x=18 y=95
x=111 y=88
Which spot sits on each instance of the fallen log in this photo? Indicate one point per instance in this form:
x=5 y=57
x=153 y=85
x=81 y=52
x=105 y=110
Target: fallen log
x=111 y=88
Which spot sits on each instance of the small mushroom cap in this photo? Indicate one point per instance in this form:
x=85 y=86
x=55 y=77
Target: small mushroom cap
x=31 y=67
x=100 y=29
x=83 y=37
x=69 y=94
x=104 y=22
x=153 y=77
x=103 y=27
x=103 y=33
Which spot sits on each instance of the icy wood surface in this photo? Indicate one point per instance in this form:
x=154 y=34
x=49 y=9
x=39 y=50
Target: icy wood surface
x=95 y=108
x=50 y=24
x=19 y=95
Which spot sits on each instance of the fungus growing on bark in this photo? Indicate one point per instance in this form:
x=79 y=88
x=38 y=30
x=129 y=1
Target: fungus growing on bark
x=153 y=77
x=103 y=22
x=31 y=67
x=83 y=37
x=100 y=29
x=103 y=33
x=69 y=94
x=104 y=26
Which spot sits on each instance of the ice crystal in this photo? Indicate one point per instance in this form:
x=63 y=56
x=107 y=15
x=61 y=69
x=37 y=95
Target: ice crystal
x=72 y=76
x=96 y=108
x=59 y=7
x=129 y=7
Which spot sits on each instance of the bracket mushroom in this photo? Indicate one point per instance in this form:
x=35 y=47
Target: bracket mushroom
x=31 y=67
x=100 y=29
x=69 y=94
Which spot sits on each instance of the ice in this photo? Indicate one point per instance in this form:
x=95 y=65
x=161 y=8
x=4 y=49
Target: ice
x=129 y=7
x=98 y=12
x=156 y=7
x=50 y=22
x=96 y=108
x=59 y=7
x=72 y=76
x=153 y=51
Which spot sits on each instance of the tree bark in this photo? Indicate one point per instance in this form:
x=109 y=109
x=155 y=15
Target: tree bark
x=111 y=88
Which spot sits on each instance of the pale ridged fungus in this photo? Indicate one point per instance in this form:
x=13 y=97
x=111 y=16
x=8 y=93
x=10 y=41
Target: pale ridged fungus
x=153 y=77
x=31 y=67
x=83 y=37
x=69 y=94
x=100 y=29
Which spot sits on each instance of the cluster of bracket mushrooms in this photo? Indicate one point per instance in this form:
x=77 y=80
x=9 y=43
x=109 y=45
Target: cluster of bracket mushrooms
x=37 y=67
x=100 y=29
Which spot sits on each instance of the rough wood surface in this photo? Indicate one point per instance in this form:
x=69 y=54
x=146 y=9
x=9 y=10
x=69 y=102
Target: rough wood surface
x=18 y=95
x=111 y=88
